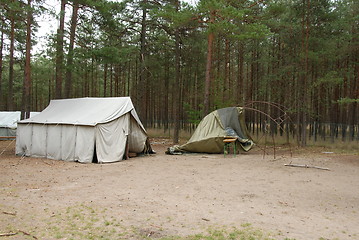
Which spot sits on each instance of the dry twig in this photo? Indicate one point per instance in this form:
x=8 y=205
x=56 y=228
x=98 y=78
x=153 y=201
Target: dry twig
x=9 y=213
x=8 y=234
x=306 y=166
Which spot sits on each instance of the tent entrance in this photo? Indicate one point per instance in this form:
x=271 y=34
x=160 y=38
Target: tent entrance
x=94 y=157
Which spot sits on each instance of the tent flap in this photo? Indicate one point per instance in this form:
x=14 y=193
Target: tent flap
x=111 y=140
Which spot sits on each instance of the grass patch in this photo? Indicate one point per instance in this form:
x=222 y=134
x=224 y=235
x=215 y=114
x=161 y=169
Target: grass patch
x=83 y=222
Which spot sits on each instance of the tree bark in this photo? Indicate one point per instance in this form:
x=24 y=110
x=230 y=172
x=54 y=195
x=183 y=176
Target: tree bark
x=141 y=93
x=70 y=55
x=2 y=99
x=60 y=51
x=227 y=84
x=105 y=79
x=207 y=86
x=303 y=89
x=27 y=80
x=240 y=77
x=178 y=104
x=10 y=101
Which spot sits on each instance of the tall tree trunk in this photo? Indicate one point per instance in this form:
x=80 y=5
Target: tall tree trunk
x=227 y=87
x=60 y=51
x=141 y=93
x=27 y=80
x=10 y=101
x=207 y=86
x=239 y=87
x=178 y=103
x=2 y=99
x=70 y=55
x=303 y=88
x=105 y=79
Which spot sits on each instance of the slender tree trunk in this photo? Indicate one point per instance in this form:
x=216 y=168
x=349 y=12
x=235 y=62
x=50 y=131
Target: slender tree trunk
x=2 y=99
x=105 y=79
x=10 y=101
x=27 y=82
x=239 y=89
x=70 y=55
x=141 y=93
x=178 y=104
x=227 y=87
x=60 y=51
x=303 y=89
x=207 y=86
x=166 y=96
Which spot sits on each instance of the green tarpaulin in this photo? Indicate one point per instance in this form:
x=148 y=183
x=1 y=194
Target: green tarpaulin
x=213 y=129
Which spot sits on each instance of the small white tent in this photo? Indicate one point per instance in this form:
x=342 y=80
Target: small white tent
x=8 y=123
x=83 y=129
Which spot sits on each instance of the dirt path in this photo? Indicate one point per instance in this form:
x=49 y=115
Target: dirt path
x=187 y=194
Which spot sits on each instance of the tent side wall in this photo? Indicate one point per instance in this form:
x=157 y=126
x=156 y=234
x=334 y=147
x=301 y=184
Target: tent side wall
x=137 y=137
x=7 y=132
x=111 y=139
x=60 y=142
x=208 y=136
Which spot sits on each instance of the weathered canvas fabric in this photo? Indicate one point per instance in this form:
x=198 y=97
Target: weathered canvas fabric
x=211 y=131
x=8 y=123
x=83 y=128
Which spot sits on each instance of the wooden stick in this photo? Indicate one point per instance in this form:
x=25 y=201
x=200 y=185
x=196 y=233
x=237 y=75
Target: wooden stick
x=5 y=137
x=306 y=166
x=8 y=234
x=28 y=234
x=18 y=231
x=9 y=213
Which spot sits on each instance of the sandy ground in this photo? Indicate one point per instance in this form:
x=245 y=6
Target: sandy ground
x=187 y=194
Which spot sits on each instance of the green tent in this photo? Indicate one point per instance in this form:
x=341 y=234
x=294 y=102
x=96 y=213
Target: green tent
x=213 y=129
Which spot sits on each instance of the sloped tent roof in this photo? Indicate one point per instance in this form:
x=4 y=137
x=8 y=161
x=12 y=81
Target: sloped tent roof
x=85 y=111
x=211 y=131
x=10 y=119
x=70 y=129
x=8 y=123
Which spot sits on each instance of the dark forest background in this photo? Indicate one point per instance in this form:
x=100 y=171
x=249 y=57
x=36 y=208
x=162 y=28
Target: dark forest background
x=293 y=64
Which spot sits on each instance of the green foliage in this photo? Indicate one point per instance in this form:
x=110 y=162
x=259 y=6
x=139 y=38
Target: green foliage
x=194 y=116
x=347 y=100
x=273 y=47
x=331 y=78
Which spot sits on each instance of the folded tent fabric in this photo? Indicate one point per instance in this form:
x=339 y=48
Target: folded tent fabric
x=217 y=125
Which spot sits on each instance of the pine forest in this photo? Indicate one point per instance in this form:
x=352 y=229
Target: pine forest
x=292 y=64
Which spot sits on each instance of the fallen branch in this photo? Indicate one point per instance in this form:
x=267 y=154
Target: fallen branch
x=28 y=234
x=306 y=166
x=18 y=231
x=8 y=234
x=9 y=213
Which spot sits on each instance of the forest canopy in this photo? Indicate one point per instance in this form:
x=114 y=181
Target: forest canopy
x=179 y=61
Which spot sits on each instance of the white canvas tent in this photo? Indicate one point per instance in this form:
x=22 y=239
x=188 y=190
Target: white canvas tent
x=8 y=123
x=83 y=129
